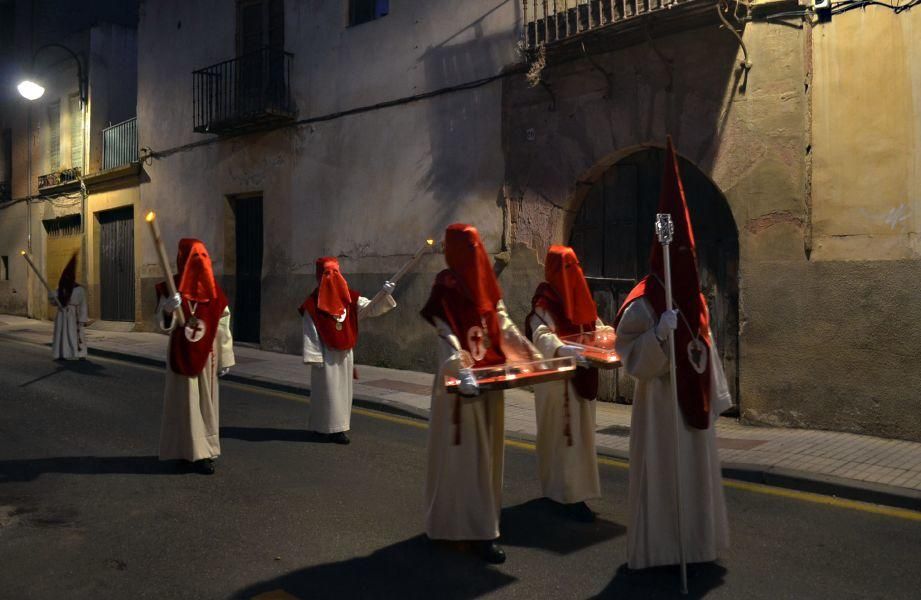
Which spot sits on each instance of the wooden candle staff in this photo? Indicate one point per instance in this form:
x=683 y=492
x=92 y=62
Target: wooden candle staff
x=51 y=292
x=430 y=243
x=151 y=219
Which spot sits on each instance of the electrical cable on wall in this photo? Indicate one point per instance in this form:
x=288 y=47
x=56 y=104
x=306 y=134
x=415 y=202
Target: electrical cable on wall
x=841 y=7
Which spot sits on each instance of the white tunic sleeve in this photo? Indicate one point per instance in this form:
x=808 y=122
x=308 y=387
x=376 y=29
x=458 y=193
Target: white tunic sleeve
x=313 y=346
x=375 y=309
x=78 y=300
x=225 y=357
x=643 y=356
x=544 y=338
x=449 y=347
x=513 y=340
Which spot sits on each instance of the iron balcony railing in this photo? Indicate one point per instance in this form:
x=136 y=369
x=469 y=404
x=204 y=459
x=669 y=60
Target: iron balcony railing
x=59 y=177
x=549 y=21
x=120 y=144
x=247 y=92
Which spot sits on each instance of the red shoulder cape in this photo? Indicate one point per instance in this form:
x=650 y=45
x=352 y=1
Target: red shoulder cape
x=586 y=379
x=479 y=333
x=185 y=356
x=343 y=338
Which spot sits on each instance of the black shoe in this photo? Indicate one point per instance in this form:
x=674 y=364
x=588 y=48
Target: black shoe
x=339 y=438
x=580 y=511
x=204 y=466
x=490 y=551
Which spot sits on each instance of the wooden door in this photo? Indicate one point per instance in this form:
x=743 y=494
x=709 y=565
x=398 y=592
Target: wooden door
x=248 y=294
x=116 y=264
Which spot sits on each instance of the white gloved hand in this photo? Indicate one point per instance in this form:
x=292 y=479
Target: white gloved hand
x=667 y=322
x=468 y=385
x=388 y=288
x=573 y=351
x=172 y=303
x=223 y=371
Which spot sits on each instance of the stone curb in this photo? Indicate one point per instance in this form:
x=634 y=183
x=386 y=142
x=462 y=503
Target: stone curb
x=827 y=485
x=780 y=477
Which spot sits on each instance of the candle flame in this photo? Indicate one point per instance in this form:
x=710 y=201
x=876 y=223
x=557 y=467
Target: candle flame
x=150 y=217
x=23 y=252
x=430 y=242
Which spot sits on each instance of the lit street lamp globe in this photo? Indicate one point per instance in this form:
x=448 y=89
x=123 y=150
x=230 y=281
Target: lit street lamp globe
x=30 y=90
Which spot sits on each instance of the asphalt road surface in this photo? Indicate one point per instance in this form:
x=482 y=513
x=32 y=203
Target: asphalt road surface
x=87 y=511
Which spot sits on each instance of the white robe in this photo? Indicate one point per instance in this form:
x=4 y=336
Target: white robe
x=568 y=473
x=190 y=426
x=69 y=341
x=652 y=537
x=463 y=484
x=331 y=373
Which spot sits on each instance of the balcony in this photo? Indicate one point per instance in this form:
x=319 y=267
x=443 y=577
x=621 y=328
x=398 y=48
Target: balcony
x=59 y=179
x=120 y=144
x=558 y=24
x=246 y=93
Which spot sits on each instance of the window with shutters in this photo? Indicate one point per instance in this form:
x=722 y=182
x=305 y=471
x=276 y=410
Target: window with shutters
x=76 y=132
x=54 y=136
x=362 y=11
x=260 y=24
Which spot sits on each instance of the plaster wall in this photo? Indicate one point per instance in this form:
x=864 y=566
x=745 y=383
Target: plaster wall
x=368 y=188
x=14 y=291
x=820 y=346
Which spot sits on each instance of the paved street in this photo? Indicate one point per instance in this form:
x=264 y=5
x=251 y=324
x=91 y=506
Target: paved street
x=86 y=511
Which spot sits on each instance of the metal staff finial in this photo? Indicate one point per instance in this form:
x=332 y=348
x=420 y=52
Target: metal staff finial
x=665 y=228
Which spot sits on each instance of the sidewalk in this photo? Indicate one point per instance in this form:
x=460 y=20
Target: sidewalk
x=858 y=467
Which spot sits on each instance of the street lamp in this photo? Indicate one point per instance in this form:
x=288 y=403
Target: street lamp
x=31 y=90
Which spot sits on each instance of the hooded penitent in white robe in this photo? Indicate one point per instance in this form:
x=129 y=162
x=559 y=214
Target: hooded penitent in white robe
x=463 y=485
x=652 y=535
x=190 y=427
x=568 y=464
x=69 y=341
x=332 y=372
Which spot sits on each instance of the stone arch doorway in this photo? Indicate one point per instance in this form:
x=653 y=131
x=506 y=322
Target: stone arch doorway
x=613 y=232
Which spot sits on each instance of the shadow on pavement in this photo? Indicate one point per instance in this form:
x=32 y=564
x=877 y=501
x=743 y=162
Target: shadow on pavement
x=30 y=469
x=83 y=367
x=542 y=523
x=271 y=434
x=413 y=568
x=664 y=582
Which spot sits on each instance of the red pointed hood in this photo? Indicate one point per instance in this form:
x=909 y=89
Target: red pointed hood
x=694 y=322
x=68 y=281
x=467 y=259
x=564 y=274
x=196 y=276
x=333 y=290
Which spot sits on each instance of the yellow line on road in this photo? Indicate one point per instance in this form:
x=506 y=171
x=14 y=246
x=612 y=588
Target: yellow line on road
x=757 y=488
x=877 y=509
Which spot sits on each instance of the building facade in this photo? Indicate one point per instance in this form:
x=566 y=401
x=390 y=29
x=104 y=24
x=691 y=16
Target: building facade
x=278 y=131
x=71 y=155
